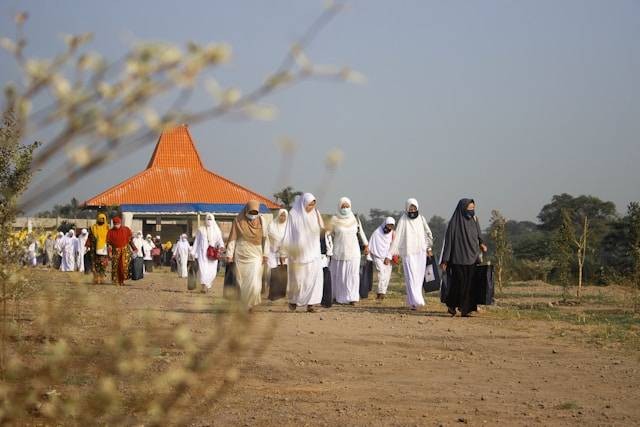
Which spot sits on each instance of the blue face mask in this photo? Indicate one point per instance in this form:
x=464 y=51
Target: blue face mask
x=470 y=214
x=345 y=211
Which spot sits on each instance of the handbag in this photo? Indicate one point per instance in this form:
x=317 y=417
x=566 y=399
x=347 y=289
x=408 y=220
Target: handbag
x=483 y=286
x=278 y=283
x=431 y=282
x=192 y=274
x=213 y=254
x=230 y=287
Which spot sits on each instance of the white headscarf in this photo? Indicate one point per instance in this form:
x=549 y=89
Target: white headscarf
x=412 y=235
x=183 y=242
x=211 y=228
x=340 y=220
x=380 y=242
x=302 y=233
x=138 y=241
x=275 y=231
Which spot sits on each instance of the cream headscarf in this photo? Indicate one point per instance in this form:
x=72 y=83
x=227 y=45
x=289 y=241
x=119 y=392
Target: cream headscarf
x=275 y=231
x=340 y=220
x=248 y=230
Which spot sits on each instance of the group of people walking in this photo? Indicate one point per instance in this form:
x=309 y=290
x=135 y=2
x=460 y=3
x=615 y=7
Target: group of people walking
x=299 y=240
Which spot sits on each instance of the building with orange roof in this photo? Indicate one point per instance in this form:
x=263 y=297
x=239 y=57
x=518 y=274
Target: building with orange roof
x=169 y=196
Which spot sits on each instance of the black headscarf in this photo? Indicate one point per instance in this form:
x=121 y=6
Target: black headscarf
x=462 y=238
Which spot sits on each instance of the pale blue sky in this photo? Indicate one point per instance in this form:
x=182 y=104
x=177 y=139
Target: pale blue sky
x=508 y=102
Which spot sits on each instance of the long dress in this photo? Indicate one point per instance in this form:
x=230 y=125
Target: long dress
x=379 y=249
x=80 y=251
x=301 y=244
x=121 y=247
x=247 y=261
x=412 y=240
x=68 y=247
x=461 y=251
x=207 y=268
x=181 y=253
x=345 y=263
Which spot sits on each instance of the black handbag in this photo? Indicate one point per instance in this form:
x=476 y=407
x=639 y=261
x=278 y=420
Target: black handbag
x=327 y=296
x=483 y=286
x=230 y=287
x=192 y=274
x=366 y=279
x=278 y=283
x=445 y=283
x=432 y=272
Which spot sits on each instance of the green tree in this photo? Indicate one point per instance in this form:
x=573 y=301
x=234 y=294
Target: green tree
x=438 y=226
x=563 y=255
x=633 y=212
x=286 y=196
x=502 y=247
x=72 y=209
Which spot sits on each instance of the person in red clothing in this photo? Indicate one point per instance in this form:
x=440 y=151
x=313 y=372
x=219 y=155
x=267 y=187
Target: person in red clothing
x=121 y=246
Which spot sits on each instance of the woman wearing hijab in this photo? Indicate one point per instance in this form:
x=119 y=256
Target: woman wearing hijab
x=147 y=247
x=208 y=235
x=275 y=233
x=301 y=246
x=460 y=254
x=379 y=253
x=345 y=263
x=413 y=241
x=248 y=249
x=120 y=241
x=81 y=249
x=69 y=246
x=97 y=244
x=181 y=254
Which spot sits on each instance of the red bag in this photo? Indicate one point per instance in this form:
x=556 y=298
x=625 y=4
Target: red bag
x=213 y=253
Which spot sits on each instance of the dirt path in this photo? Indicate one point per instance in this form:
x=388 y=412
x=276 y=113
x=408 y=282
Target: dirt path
x=379 y=364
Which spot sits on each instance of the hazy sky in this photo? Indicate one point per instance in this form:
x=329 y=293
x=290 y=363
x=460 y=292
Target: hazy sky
x=508 y=102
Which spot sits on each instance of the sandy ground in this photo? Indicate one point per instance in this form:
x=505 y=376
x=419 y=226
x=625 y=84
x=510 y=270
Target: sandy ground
x=381 y=364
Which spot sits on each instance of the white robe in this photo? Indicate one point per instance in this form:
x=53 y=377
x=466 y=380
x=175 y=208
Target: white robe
x=181 y=253
x=68 y=246
x=412 y=240
x=275 y=233
x=379 y=249
x=81 y=250
x=247 y=261
x=345 y=263
x=301 y=243
x=207 y=269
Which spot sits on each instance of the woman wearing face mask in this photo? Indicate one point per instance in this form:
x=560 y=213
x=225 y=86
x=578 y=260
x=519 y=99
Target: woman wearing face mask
x=460 y=253
x=181 y=255
x=413 y=242
x=379 y=253
x=147 y=247
x=345 y=263
x=301 y=247
x=209 y=235
x=248 y=249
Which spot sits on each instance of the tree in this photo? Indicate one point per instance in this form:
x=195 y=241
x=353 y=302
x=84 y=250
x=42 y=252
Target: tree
x=502 y=248
x=286 y=196
x=563 y=255
x=633 y=212
x=579 y=243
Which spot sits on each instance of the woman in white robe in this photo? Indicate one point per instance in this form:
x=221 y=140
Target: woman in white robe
x=68 y=246
x=248 y=249
x=81 y=249
x=345 y=263
x=301 y=247
x=413 y=241
x=181 y=252
x=275 y=232
x=147 y=258
x=208 y=235
x=380 y=254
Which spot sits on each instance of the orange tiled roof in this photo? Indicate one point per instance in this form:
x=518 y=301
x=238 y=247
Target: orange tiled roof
x=175 y=175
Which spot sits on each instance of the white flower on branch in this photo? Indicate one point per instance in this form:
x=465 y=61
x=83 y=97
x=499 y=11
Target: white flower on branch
x=8 y=45
x=261 y=112
x=231 y=96
x=334 y=159
x=80 y=156
x=353 y=76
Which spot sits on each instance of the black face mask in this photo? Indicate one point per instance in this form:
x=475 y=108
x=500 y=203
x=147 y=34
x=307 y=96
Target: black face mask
x=470 y=214
x=386 y=230
x=101 y=222
x=412 y=215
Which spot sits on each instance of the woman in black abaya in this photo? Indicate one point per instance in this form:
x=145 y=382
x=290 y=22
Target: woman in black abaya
x=460 y=254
